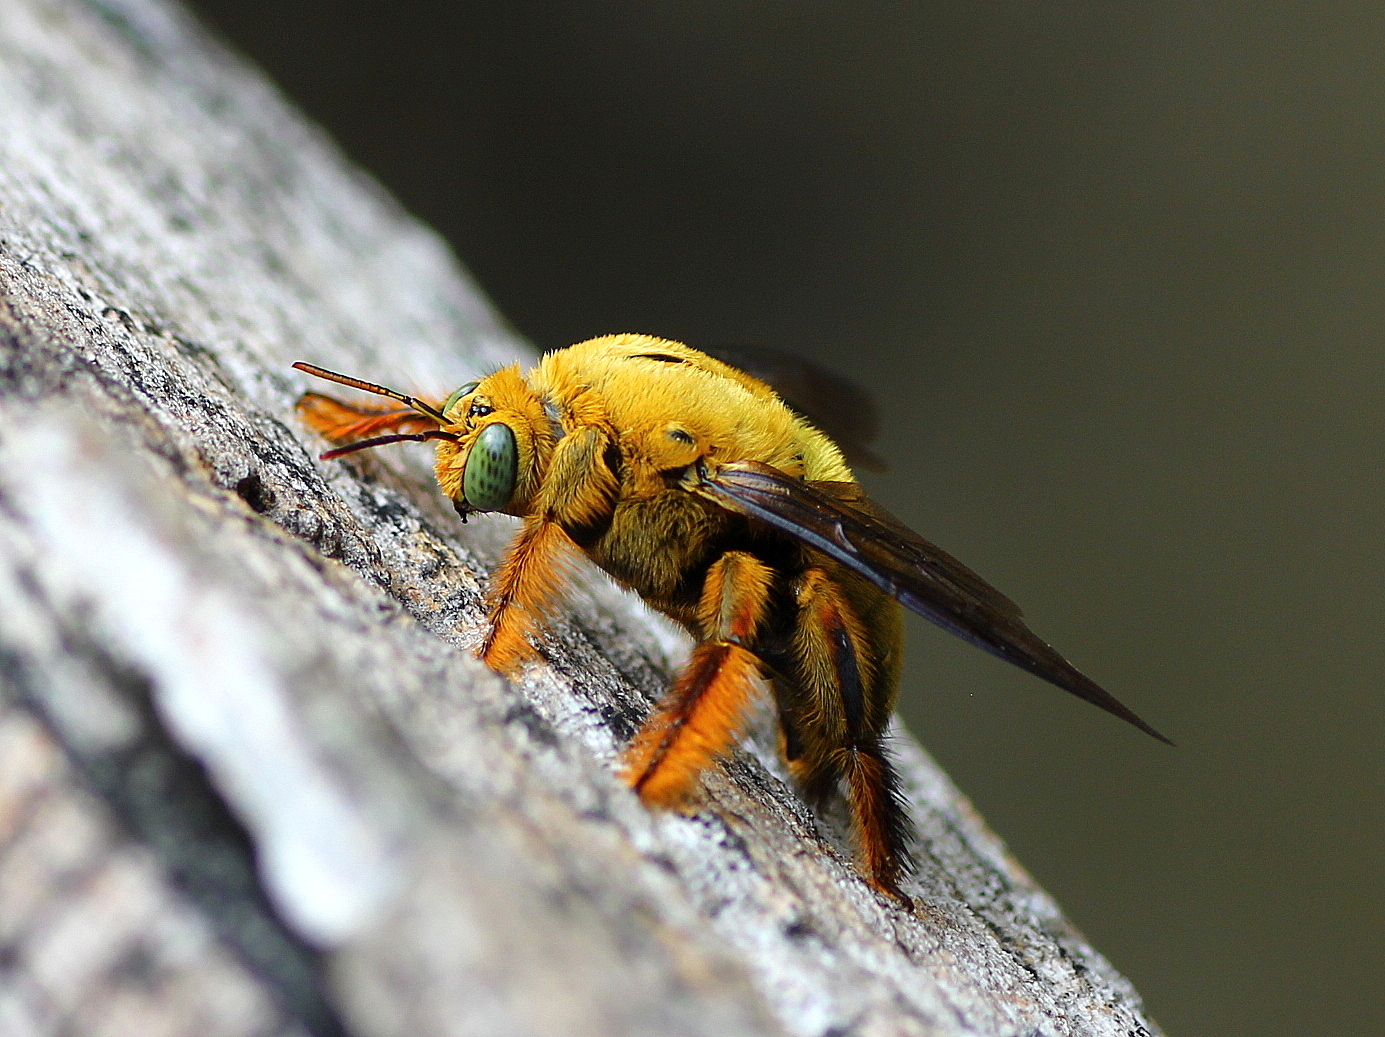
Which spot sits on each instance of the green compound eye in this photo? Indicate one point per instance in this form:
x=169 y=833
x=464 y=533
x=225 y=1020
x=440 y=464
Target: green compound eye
x=465 y=390
x=488 y=481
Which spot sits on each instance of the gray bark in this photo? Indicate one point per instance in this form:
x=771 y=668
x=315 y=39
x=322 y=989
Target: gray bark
x=251 y=779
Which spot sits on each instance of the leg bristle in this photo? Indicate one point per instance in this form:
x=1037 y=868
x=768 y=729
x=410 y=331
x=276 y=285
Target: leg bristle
x=522 y=592
x=698 y=722
x=880 y=817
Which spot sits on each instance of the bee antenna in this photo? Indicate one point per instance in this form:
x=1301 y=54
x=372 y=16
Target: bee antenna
x=403 y=437
x=426 y=409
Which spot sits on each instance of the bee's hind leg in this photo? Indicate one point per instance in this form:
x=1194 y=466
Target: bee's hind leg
x=838 y=718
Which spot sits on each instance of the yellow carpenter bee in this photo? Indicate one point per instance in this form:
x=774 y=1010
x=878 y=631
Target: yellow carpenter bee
x=693 y=484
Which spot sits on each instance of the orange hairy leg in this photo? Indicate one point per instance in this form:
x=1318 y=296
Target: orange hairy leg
x=576 y=498
x=879 y=820
x=338 y=421
x=837 y=720
x=702 y=714
x=522 y=592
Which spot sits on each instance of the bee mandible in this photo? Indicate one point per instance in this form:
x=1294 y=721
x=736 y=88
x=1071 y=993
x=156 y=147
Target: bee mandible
x=693 y=484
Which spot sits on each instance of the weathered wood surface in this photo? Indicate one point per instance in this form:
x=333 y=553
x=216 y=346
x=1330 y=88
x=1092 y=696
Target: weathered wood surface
x=251 y=780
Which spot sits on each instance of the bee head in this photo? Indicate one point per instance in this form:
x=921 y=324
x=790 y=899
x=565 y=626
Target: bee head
x=502 y=446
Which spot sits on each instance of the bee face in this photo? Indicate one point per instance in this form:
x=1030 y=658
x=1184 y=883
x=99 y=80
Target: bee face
x=453 y=405
x=488 y=477
x=502 y=440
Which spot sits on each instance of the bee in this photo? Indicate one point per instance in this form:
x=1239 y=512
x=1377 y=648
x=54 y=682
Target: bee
x=693 y=484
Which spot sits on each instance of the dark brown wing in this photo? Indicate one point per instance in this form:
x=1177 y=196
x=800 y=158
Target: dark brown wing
x=831 y=402
x=923 y=577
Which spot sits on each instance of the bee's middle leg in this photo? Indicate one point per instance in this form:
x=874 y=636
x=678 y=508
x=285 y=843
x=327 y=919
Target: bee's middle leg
x=701 y=716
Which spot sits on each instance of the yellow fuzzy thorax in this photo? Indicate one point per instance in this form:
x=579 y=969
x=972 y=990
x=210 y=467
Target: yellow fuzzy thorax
x=658 y=405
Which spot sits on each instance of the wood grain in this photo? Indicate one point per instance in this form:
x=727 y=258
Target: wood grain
x=251 y=779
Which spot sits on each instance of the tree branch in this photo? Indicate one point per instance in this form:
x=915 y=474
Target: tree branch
x=251 y=779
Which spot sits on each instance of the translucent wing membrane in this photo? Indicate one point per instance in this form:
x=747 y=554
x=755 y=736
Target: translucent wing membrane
x=924 y=578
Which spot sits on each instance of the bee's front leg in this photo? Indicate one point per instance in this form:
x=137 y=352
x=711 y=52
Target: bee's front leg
x=701 y=716
x=577 y=496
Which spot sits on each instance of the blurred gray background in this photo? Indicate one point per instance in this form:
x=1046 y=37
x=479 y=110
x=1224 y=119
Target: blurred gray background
x=1115 y=275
